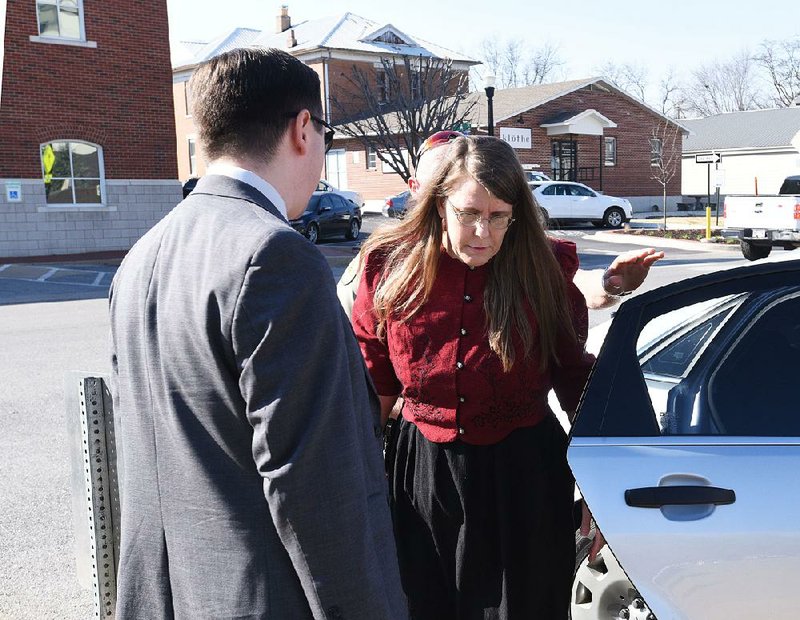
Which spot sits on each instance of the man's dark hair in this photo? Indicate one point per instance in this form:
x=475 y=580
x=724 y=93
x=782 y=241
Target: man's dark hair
x=243 y=100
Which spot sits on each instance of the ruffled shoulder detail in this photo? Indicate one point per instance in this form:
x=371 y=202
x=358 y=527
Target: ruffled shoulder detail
x=566 y=253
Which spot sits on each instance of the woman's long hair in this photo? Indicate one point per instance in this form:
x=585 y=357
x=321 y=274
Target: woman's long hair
x=523 y=270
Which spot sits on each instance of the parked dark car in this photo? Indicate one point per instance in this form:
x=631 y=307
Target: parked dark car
x=328 y=214
x=396 y=206
x=189 y=186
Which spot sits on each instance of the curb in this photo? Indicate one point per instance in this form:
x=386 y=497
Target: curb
x=657 y=242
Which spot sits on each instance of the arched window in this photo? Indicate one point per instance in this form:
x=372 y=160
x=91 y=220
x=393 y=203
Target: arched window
x=73 y=172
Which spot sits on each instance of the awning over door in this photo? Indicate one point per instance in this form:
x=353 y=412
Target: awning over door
x=586 y=123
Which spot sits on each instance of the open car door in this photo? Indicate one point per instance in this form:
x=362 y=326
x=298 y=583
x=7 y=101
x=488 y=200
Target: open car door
x=687 y=447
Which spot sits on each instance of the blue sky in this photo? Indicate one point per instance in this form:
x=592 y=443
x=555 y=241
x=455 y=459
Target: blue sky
x=680 y=34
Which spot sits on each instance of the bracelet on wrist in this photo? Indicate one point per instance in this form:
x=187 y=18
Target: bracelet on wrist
x=618 y=293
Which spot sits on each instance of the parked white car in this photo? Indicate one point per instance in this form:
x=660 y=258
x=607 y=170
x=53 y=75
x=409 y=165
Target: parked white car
x=686 y=448
x=354 y=197
x=536 y=177
x=563 y=201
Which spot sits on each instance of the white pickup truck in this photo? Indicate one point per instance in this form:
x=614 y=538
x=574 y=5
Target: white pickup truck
x=764 y=222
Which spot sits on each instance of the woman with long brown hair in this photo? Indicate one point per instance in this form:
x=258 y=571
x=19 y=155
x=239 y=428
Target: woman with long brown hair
x=467 y=309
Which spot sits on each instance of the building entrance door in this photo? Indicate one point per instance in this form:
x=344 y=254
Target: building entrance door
x=564 y=160
x=336 y=168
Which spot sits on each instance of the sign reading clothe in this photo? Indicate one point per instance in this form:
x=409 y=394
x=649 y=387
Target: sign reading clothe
x=517 y=138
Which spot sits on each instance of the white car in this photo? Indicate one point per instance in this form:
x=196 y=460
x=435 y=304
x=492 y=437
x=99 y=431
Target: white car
x=686 y=448
x=354 y=197
x=563 y=201
x=534 y=177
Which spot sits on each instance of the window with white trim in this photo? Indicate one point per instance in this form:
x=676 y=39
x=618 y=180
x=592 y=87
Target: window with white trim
x=187 y=98
x=609 y=151
x=656 y=150
x=61 y=19
x=73 y=172
x=192 y=157
x=372 y=158
x=384 y=87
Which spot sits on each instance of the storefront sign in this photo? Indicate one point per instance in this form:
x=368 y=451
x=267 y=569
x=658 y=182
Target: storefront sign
x=517 y=138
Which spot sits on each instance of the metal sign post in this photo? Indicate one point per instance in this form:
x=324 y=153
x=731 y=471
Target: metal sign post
x=95 y=489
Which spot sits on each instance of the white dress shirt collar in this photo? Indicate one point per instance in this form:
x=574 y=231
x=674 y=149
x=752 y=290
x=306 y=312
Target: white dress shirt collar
x=252 y=179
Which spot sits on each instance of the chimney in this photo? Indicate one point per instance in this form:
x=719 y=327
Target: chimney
x=283 y=22
x=291 y=40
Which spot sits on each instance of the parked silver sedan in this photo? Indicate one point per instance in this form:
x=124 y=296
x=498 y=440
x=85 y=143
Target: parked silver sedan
x=686 y=448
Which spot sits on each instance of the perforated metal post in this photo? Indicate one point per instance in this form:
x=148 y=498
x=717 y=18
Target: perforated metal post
x=95 y=489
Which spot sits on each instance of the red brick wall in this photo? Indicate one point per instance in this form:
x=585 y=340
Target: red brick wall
x=350 y=98
x=371 y=184
x=631 y=175
x=118 y=95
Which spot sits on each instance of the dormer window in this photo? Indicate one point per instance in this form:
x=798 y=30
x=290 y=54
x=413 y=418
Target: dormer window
x=391 y=38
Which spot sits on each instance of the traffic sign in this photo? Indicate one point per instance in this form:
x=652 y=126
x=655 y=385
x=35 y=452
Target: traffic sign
x=708 y=158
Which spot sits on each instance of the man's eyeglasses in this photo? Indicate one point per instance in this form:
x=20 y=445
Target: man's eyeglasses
x=498 y=221
x=438 y=139
x=329 y=130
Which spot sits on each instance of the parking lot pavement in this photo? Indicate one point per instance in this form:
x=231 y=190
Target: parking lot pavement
x=26 y=283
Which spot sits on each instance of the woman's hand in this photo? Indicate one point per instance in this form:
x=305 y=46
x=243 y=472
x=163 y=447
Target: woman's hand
x=586 y=526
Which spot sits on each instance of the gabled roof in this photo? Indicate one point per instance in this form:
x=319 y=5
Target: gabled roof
x=347 y=32
x=752 y=129
x=510 y=102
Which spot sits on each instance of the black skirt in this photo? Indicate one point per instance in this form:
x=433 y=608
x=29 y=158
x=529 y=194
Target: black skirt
x=484 y=532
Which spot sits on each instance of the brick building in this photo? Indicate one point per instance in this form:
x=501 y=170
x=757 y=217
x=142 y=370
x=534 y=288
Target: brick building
x=588 y=131
x=332 y=46
x=87 y=162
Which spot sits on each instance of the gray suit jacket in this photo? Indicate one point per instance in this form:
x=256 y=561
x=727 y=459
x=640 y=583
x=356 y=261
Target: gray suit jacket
x=252 y=481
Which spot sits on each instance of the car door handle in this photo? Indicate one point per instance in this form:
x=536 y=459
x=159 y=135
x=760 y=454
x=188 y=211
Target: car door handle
x=684 y=495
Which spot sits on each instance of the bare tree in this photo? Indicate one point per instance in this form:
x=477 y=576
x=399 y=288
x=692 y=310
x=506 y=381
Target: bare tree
x=781 y=61
x=514 y=64
x=671 y=101
x=628 y=77
x=543 y=63
x=731 y=86
x=665 y=157
x=413 y=98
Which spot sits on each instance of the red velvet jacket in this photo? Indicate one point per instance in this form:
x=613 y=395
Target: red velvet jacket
x=440 y=360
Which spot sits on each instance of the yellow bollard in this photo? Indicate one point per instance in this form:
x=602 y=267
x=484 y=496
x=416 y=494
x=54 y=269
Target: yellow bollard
x=708 y=222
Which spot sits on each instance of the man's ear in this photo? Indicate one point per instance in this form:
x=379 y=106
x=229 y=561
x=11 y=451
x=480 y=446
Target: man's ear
x=299 y=132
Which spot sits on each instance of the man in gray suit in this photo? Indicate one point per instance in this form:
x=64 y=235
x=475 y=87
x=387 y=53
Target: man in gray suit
x=252 y=483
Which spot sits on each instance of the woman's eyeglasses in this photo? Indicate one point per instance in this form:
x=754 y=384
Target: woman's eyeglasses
x=438 y=139
x=498 y=221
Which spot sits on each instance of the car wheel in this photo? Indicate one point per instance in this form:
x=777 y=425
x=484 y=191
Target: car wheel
x=312 y=232
x=601 y=589
x=353 y=230
x=614 y=217
x=751 y=251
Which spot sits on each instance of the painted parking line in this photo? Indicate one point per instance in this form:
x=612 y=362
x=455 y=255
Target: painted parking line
x=46 y=275
x=54 y=275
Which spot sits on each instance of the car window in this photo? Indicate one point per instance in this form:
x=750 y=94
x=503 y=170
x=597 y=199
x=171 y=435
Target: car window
x=582 y=191
x=326 y=201
x=550 y=190
x=562 y=190
x=727 y=366
x=753 y=391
